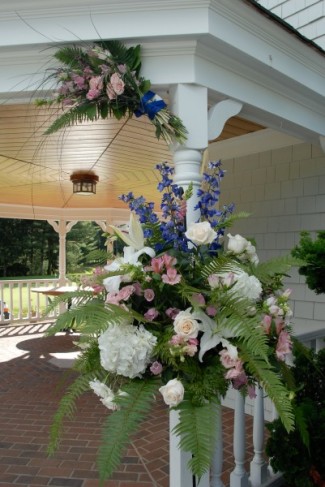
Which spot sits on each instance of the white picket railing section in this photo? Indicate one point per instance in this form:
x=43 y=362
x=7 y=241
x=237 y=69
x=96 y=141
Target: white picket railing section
x=26 y=305
x=22 y=303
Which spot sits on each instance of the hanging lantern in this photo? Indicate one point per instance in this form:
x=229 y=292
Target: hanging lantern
x=84 y=183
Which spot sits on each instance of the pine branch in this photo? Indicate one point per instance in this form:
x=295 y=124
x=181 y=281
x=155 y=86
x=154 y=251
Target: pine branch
x=121 y=424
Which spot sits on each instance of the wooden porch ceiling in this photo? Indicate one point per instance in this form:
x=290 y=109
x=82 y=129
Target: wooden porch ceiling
x=35 y=169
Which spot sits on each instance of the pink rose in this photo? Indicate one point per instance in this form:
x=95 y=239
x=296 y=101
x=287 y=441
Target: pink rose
x=172 y=312
x=176 y=340
x=198 y=298
x=211 y=310
x=151 y=314
x=156 y=368
x=96 y=83
x=284 y=345
x=125 y=292
x=171 y=277
x=92 y=94
x=117 y=83
x=228 y=360
x=149 y=294
x=110 y=92
x=266 y=323
x=240 y=380
x=112 y=298
x=79 y=81
x=122 y=68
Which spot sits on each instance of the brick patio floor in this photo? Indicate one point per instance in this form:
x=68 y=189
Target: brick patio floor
x=31 y=370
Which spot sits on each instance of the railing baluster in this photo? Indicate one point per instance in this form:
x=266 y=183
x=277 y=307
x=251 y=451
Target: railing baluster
x=258 y=466
x=239 y=477
x=217 y=460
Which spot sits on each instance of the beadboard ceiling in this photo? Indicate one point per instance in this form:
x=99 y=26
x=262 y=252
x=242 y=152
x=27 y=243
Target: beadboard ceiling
x=35 y=169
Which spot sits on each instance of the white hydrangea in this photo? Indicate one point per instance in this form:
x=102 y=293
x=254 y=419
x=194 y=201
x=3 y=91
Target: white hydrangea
x=246 y=286
x=126 y=349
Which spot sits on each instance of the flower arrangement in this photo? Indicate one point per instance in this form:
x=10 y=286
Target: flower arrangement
x=185 y=313
x=103 y=80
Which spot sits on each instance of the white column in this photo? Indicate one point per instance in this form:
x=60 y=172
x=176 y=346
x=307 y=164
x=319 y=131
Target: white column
x=217 y=459
x=258 y=466
x=190 y=104
x=239 y=477
x=62 y=228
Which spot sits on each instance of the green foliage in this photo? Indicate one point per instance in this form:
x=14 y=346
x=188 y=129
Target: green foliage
x=84 y=112
x=300 y=453
x=197 y=430
x=67 y=409
x=312 y=253
x=119 y=426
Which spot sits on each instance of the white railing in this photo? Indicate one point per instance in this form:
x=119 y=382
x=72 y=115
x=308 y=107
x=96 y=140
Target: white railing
x=259 y=472
x=19 y=303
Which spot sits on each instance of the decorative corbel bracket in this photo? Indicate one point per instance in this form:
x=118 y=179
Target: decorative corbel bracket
x=219 y=114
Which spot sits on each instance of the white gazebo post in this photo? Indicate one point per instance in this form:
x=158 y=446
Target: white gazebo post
x=189 y=102
x=62 y=228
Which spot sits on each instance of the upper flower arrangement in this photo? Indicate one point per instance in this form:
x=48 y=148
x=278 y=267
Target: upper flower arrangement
x=103 y=80
x=184 y=312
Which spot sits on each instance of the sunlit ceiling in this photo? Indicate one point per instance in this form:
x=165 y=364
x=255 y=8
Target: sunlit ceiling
x=35 y=169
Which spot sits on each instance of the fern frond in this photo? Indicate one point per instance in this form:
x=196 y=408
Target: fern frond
x=197 y=430
x=79 y=113
x=274 y=388
x=71 y=56
x=233 y=316
x=228 y=222
x=223 y=263
x=121 y=424
x=91 y=318
x=278 y=265
x=67 y=409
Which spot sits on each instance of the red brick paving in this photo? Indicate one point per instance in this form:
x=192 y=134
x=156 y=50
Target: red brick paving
x=29 y=397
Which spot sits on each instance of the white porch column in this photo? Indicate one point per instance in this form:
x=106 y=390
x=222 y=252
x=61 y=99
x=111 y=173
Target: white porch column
x=190 y=104
x=62 y=228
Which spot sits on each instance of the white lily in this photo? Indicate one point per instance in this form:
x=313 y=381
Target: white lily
x=210 y=338
x=135 y=247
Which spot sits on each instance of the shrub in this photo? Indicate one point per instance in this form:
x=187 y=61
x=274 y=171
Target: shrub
x=300 y=454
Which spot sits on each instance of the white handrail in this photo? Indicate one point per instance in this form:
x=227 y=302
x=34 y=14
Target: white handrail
x=22 y=304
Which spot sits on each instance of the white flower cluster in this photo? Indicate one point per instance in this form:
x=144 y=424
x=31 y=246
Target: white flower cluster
x=239 y=283
x=106 y=394
x=248 y=287
x=242 y=248
x=126 y=349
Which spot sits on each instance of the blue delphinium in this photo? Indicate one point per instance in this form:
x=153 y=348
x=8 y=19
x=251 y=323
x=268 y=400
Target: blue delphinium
x=173 y=207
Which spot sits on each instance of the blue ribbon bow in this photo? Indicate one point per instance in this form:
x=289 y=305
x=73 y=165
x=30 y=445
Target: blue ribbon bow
x=148 y=106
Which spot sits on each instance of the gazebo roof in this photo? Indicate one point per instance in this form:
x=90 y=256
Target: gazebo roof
x=234 y=50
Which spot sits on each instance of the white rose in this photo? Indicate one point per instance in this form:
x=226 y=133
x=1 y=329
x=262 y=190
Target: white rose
x=172 y=392
x=201 y=233
x=237 y=244
x=185 y=325
x=246 y=286
x=251 y=253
